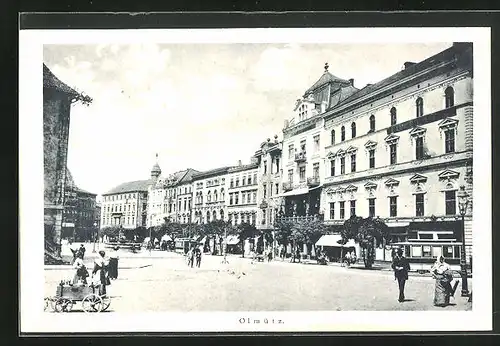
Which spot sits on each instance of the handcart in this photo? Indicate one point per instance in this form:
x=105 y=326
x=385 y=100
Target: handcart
x=67 y=295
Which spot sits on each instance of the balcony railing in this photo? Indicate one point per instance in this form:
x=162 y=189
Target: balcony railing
x=300 y=218
x=287 y=186
x=313 y=181
x=300 y=157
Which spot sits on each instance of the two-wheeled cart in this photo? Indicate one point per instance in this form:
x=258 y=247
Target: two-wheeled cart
x=67 y=295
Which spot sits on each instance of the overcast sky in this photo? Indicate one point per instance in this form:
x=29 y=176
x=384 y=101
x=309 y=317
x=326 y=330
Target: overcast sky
x=200 y=106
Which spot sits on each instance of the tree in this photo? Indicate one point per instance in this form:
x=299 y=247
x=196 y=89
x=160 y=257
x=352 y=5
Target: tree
x=283 y=231
x=245 y=230
x=366 y=232
x=110 y=232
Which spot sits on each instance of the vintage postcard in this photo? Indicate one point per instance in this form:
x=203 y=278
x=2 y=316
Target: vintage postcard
x=255 y=180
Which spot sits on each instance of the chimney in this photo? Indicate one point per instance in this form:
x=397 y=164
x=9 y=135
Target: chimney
x=239 y=162
x=275 y=138
x=408 y=64
x=324 y=104
x=351 y=81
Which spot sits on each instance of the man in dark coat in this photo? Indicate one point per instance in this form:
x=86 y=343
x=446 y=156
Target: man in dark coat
x=401 y=268
x=81 y=251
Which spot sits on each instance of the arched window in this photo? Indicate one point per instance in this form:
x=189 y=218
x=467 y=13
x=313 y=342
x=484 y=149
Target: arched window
x=208 y=216
x=222 y=194
x=419 y=107
x=372 y=123
x=393 y=116
x=222 y=214
x=209 y=196
x=353 y=130
x=215 y=215
x=342 y=134
x=215 y=196
x=449 y=97
x=332 y=134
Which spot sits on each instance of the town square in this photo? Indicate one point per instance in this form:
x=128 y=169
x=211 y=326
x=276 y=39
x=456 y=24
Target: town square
x=250 y=177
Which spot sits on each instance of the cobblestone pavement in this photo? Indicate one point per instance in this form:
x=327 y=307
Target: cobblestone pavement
x=168 y=284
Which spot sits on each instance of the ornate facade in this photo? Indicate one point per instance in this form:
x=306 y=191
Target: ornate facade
x=241 y=198
x=399 y=150
x=210 y=191
x=269 y=182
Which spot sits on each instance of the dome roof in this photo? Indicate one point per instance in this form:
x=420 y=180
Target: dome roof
x=156 y=168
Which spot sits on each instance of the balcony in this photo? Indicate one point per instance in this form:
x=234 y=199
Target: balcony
x=300 y=218
x=287 y=186
x=300 y=157
x=313 y=181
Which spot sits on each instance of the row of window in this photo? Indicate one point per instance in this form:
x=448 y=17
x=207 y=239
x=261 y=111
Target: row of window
x=115 y=221
x=118 y=208
x=420 y=153
x=419 y=109
x=449 y=196
x=275 y=166
x=276 y=189
x=235 y=182
x=122 y=197
x=302 y=173
x=247 y=197
x=237 y=218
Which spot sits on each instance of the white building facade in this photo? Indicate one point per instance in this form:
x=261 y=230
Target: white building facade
x=400 y=150
x=242 y=194
x=209 y=195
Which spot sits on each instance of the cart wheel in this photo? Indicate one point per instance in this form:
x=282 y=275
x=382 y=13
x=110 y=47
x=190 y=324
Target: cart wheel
x=92 y=303
x=67 y=305
x=106 y=301
x=59 y=305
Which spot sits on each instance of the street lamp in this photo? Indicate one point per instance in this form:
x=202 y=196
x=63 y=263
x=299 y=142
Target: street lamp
x=224 y=261
x=95 y=228
x=463 y=201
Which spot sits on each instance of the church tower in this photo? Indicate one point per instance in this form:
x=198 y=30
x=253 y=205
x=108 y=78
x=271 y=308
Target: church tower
x=156 y=170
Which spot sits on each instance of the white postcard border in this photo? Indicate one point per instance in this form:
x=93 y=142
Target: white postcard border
x=34 y=320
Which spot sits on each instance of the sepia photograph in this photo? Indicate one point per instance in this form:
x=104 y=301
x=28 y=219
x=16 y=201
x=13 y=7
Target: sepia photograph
x=258 y=179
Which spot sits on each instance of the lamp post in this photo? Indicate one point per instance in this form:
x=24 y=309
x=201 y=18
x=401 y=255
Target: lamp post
x=463 y=201
x=224 y=260
x=95 y=228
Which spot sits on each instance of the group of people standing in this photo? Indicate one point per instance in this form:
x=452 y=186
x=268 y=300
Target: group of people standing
x=194 y=254
x=441 y=272
x=105 y=269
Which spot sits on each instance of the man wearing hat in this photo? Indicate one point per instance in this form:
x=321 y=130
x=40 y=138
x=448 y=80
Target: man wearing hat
x=401 y=268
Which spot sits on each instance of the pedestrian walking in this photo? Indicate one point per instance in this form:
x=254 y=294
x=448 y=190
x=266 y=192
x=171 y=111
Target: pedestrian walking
x=75 y=254
x=347 y=259
x=198 y=257
x=401 y=268
x=100 y=276
x=81 y=250
x=189 y=256
x=113 y=263
x=441 y=272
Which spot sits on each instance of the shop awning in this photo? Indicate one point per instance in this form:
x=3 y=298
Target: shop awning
x=398 y=224
x=232 y=240
x=296 y=192
x=333 y=240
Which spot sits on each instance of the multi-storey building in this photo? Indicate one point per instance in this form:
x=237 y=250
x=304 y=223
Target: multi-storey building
x=79 y=212
x=184 y=196
x=269 y=179
x=169 y=199
x=210 y=191
x=57 y=101
x=400 y=149
x=126 y=205
x=241 y=200
x=302 y=163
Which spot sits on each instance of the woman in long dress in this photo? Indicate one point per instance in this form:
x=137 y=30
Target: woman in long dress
x=441 y=272
x=81 y=271
x=113 y=263
x=100 y=273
